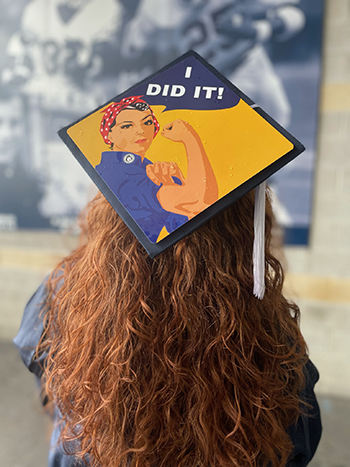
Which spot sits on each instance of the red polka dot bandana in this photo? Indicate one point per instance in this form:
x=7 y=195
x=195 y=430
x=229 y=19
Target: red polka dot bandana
x=116 y=107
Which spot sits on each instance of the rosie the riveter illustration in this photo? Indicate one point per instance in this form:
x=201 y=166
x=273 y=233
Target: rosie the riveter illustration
x=156 y=195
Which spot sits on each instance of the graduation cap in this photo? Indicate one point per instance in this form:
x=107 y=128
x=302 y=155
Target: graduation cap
x=176 y=149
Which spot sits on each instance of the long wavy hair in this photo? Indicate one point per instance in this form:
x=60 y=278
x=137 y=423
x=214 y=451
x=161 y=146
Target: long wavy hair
x=172 y=361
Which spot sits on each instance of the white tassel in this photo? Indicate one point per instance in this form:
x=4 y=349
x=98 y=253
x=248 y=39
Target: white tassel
x=259 y=242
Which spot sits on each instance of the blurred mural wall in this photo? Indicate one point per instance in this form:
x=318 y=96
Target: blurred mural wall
x=62 y=58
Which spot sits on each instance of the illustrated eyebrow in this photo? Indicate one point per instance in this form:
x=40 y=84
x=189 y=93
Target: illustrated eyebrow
x=147 y=116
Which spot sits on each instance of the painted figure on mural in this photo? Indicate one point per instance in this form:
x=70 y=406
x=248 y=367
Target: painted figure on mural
x=231 y=34
x=54 y=68
x=62 y=55
x=155 y=194
x=95 y=49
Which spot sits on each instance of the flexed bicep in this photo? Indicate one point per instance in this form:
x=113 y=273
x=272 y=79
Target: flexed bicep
x=163 y=173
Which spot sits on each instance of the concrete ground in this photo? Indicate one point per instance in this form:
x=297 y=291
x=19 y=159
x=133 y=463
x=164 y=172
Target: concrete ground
x=25 y=429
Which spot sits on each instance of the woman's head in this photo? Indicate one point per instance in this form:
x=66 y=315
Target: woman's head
x=129 y=125
x=173 y=361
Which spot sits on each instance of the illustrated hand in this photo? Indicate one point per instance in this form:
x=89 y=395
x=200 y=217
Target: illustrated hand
x=162 y=173
x=177 y=131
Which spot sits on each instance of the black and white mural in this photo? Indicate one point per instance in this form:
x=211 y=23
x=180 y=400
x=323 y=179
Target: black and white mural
x=59 y=59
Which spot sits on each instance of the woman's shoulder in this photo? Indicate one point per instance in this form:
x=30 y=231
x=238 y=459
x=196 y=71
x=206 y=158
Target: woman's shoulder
x=306 y=433
x=32 y=328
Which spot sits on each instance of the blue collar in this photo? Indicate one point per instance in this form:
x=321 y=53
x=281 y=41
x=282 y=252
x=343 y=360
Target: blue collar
x=127 y=158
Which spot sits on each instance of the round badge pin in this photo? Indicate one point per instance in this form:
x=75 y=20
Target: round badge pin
x=129 y=158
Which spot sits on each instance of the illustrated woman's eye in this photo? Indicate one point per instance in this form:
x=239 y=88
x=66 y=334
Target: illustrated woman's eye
x=126 y=126
x=148 y=122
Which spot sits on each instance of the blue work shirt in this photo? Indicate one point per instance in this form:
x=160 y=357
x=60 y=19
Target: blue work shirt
x=125 y=174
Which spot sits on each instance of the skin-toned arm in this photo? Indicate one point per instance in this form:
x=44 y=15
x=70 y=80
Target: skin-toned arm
x=199 y=190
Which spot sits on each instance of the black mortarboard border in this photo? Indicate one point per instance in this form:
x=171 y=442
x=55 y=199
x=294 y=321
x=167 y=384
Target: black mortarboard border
x=154 y=249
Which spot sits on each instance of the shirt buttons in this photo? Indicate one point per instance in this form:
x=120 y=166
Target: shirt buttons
x=129 y=158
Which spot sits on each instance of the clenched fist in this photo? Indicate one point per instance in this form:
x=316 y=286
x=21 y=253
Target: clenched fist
x=177 y=131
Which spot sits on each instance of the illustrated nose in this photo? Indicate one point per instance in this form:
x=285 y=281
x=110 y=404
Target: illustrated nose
x=140 y=130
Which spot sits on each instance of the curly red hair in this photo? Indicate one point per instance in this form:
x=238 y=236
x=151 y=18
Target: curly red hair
x=173 y=361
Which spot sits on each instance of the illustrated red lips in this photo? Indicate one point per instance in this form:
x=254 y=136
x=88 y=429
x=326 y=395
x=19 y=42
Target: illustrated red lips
x=140 y=141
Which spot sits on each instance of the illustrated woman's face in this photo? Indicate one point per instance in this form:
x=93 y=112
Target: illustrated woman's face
x=133 y=131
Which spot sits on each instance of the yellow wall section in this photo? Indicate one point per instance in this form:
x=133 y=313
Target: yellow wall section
x=238 y=142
